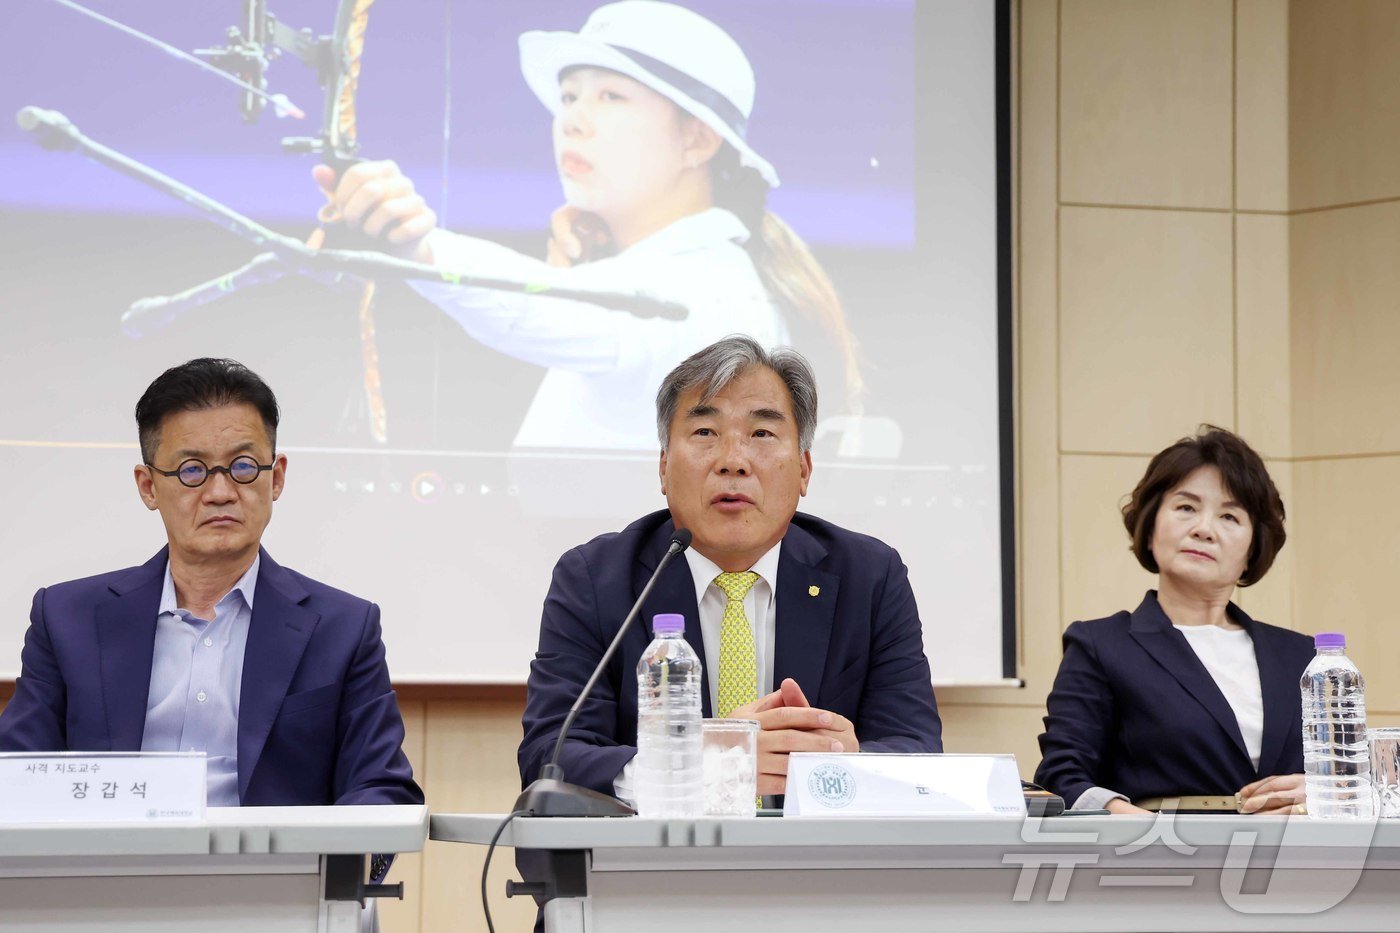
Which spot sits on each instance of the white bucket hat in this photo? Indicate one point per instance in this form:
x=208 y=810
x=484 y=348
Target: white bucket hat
x=677 y=53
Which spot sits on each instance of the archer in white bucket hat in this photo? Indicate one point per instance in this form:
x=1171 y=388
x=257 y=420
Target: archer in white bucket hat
x=662 y=193
x=673 y=51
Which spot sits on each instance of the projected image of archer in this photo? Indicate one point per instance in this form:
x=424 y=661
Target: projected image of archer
x=663 y=194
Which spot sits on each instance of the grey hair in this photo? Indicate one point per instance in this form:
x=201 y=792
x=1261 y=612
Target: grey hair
x=719 y=364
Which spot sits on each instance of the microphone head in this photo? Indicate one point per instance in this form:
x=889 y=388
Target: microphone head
x=680 y=539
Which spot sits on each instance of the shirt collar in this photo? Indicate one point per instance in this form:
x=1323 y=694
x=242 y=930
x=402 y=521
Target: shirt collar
x=244 y=587
x=703 y=570
x=694 y=231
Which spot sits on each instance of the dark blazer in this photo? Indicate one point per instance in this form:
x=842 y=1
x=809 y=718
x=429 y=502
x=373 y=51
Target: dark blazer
x=1134 y=710
x=317 y=721
x=856 y=648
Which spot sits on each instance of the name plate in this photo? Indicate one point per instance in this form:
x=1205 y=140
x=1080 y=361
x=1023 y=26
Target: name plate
x=882 y=784
x=102 y=787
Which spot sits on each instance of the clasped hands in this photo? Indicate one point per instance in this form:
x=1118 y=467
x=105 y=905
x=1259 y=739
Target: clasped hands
x=788 y=723
x=1276 y=794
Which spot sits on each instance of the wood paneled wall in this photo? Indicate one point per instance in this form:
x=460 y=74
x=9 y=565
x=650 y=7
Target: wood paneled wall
x=1207 y=229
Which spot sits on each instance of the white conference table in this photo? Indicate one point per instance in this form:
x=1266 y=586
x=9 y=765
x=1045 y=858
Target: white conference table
x=260 y=869
x=960 y=873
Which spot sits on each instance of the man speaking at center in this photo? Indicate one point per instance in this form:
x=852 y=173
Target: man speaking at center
x=804 y=626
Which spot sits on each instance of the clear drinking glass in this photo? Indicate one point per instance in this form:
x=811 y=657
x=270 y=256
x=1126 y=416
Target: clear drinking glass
x=1385 y=769
x=731 y=766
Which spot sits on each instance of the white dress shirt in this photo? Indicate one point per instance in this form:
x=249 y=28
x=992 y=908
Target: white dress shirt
x=760 y=604
x=604 y=366
x=1228 y=656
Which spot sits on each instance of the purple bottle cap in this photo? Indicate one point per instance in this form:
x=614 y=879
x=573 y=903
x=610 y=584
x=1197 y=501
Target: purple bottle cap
x=667 y=623
x=1329 y=640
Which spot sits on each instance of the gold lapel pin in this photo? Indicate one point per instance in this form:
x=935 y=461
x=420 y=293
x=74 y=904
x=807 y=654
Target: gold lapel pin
x=814 y=591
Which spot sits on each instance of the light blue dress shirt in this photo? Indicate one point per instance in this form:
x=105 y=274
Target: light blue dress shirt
x=196 y=678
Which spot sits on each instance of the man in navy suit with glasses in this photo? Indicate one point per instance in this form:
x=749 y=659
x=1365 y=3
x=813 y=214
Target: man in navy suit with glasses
x=211 y=646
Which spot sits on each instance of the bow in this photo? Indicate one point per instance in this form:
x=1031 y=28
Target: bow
x=339 y=148
x=337 y=60
x=341 y=131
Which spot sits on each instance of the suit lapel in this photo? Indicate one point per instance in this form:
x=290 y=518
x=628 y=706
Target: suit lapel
x=126 y=641
x=278 y=633
x=1152 y=629
x=1278 y=687
x=806 y=613
x=674 y=592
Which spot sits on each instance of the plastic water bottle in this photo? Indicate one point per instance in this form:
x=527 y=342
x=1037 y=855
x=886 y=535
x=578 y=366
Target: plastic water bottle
x=1336 y=760
x=669 y=778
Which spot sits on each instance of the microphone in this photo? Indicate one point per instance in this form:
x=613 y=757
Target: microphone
x=550 y=794
x=51 y=129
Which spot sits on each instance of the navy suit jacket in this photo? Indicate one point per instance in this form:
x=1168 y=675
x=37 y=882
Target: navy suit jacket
x=317 y=721
x=1134 y=710
x=856 y=648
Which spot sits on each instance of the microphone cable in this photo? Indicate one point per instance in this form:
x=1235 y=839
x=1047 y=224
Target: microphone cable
x=486 y=866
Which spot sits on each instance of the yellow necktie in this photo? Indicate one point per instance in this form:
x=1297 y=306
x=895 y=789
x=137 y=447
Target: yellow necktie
x=738 y=662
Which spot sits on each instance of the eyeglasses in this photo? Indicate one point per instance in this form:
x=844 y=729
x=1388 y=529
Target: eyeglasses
x=193 y=473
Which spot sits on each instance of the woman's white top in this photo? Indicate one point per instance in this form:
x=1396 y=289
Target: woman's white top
x=605 y=366
x=1228 y=656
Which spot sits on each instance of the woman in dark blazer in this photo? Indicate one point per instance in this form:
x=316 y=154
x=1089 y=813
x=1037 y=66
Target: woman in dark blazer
x=1185 y=698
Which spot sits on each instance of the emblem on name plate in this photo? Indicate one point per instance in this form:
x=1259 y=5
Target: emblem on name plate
x=831 y=786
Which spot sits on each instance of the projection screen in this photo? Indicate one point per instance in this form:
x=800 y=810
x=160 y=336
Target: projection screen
x=440 y=465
